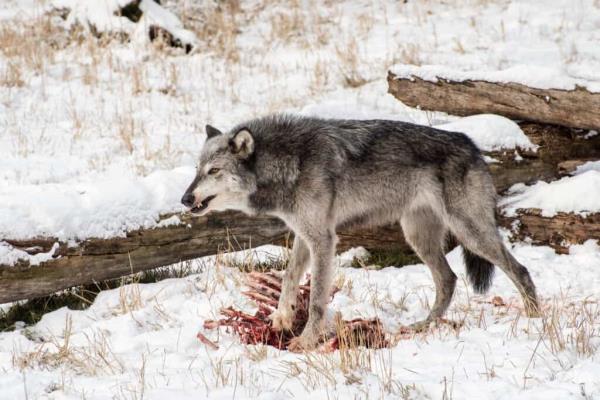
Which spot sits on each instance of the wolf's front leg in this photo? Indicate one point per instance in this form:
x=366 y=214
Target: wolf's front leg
x=283 y=317
x=322 y=250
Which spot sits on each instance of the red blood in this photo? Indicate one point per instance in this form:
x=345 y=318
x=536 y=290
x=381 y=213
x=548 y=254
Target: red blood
x=264 y=290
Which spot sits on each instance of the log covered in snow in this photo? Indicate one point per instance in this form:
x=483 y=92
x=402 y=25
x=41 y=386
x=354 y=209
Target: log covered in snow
x=560 y=150
x=100 y=259
x=558 y=231
x=577 y=108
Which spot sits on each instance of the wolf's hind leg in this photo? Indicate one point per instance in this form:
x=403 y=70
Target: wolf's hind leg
x=480 y=235
x=425 y=232
x=283 y=317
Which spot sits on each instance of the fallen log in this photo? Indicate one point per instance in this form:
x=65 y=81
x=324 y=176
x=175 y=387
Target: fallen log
x=560 y=151
x=576 y=108
x=95 y=260
x=557 y=144
x=561 y=148
x=558 y=231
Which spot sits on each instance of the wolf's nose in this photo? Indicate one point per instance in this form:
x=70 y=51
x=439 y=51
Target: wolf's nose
x=188 y=199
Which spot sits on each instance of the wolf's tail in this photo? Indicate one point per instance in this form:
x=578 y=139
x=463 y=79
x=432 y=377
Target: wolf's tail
x=479 y=271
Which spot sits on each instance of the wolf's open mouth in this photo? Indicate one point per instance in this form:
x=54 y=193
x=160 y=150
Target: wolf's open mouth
x=202 y=206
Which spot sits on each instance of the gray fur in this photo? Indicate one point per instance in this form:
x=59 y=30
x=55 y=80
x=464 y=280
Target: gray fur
x=318 y=175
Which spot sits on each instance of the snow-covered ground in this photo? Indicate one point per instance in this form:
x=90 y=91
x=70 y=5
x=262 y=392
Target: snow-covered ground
x=97 y=138
x=139 y=341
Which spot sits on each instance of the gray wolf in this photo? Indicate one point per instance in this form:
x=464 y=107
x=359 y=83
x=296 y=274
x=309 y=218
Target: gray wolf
x=319 y=175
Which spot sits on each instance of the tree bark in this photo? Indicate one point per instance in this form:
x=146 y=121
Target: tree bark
x=560 y=151
x=557 y=232
x=576 y=108
x=100 y=259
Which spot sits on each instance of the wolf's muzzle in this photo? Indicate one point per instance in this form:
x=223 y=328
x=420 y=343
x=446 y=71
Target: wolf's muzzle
x=198 y=207
x=188 y=200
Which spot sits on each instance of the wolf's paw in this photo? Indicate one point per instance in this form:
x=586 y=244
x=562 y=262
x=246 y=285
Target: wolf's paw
x=420 y=326
x=282 y=320
x=532 y=310
x=303 y=343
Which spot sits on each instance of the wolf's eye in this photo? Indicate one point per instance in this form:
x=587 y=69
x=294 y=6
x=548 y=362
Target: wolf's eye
x=213 y=171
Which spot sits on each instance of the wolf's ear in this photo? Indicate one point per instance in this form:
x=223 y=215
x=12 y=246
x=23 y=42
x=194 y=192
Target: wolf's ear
x=211 y=131
x=242 y=143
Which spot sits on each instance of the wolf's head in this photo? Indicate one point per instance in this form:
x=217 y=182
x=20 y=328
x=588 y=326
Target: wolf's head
x=223 y=179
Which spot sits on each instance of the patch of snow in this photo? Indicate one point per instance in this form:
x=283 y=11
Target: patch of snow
x=578 y=194
x=102 y=209
x=529 y=75
x=111 y=345
x=347 y=258
x=590 y=134
x=588 y=166
x=171 y=221
x=21 y=9
x=490 y=132
x=101 y=15
x=365 y=102
x=10 y=255
x=155 y=14
x=518 y=157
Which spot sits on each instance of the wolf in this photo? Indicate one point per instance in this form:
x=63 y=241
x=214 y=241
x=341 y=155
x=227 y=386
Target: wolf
x=320 y=175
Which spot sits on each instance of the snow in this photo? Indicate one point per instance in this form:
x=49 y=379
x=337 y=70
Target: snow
x=588 y=166
x=590 y=134
x=97 y=13
x=11 y=255
x=21 y=9
x=141 y=338
x=490 y=132
x=102 y=209
x=102 y=138
x=100 y=14
x=528 y=75
x=154 y=14
x=171 y=221
x=577 y=194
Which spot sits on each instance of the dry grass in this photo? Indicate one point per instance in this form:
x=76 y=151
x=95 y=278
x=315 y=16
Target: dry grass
x=567 y=328
x=349 y=61
x=93 y=359
x=33 y=44
x=216 y=26
x=316 y=370
x=12 y=77
x=572 y=326
x=126 y=131
x=31 y=49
